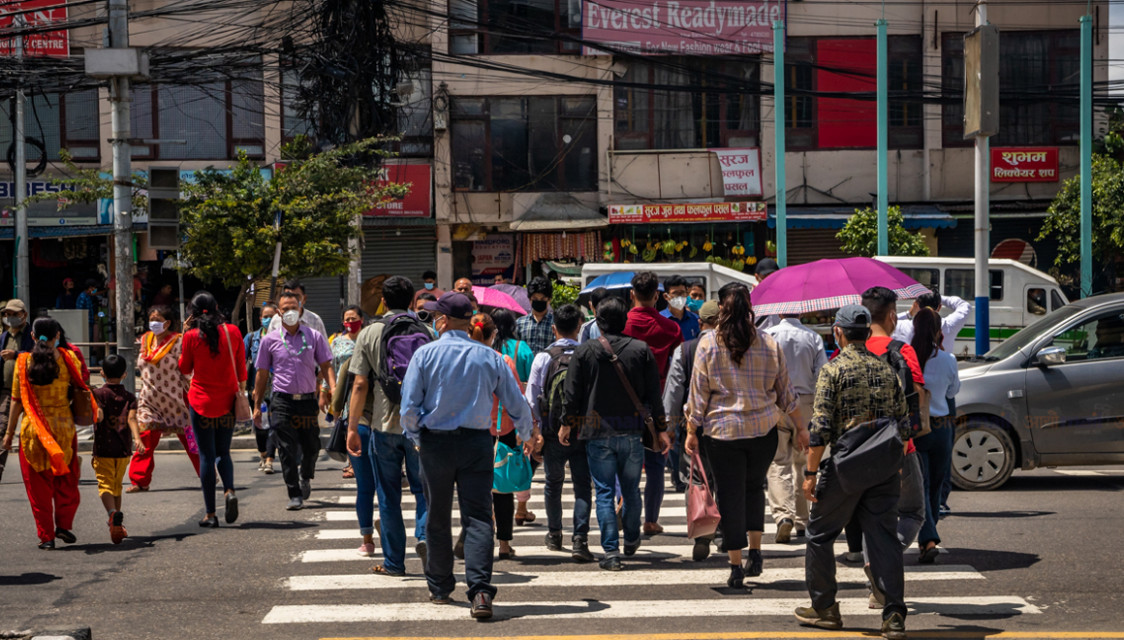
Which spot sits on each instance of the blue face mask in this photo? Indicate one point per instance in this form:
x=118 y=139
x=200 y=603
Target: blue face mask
x=694 y=305
x=429 y=286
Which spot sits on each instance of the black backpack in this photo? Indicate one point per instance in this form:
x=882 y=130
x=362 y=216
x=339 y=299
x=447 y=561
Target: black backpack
x=900 y=365
x=552 y=397
x=402 y=336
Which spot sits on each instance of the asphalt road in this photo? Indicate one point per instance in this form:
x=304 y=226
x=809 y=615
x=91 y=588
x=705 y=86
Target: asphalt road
x=1036 y=557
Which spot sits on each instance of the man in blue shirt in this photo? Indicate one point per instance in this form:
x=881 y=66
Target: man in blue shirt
x=675 y=292
x=446 y=411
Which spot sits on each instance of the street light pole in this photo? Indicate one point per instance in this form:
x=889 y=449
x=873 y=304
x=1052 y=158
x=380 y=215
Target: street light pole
x=23 y=241
x=983 y=228
x=122 y=193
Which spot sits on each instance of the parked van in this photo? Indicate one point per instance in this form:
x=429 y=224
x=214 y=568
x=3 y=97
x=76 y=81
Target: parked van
x=713 y=276
x=1019 y=294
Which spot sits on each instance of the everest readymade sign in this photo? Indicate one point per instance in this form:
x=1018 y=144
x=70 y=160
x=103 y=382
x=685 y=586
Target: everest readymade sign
x=36 y=13
x=689 y=27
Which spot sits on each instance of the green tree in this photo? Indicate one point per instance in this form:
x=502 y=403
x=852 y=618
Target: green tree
x=1063 y=218
x=859 y=237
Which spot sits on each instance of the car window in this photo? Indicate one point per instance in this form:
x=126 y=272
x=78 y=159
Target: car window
x=931 y=278
x=962 y=283
x=1056 y=301
x=1036 y=301
x=1097 y=339
x=1032 y=333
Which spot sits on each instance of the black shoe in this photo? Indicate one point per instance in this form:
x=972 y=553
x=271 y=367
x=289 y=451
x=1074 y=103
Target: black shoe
x=702 y=549
x=893 y=628
x=753 y=562
x=611 y=563
x=458 y=548
x=231 y=513
x=482 y=606
x=65 y=535
x=737 y=577
x=437 y=598
x=784 y=531
x=554 y=540
x=306 y=489
x=581 y=551
x=929 y=555
x=824 y=619
x=209 y=521
x=799 y=532
x=47 y=546
x=422 y=549
x=630 y=549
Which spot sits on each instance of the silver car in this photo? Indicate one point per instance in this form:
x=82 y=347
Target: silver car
x=1051 y=395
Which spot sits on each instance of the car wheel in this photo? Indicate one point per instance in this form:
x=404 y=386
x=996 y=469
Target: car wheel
x=983 y=456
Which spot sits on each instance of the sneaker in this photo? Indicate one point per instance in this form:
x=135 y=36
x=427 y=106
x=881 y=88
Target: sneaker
x=701 y=550
x=367 y=549
x=458 y=548
x=877 y=598
x=231 y=511
x=261 y=463
x=824 y=619
x=893 y=628
x=611 y=563
x=267 y=467
x=944 y=511
x=581 y=551
x=306 y=489
x=753 y=563
x=117 y=531
x=630 y=549
x=554 y=540
x=737 y=577
x=422 y=549
x=66 y=535
x=853 y=557
x=784 y=531
x=295 y=504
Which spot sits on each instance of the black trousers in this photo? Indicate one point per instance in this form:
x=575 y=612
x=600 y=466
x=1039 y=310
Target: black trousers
x=740 y=467
x=297 y=429
x=876 y=511
x=503 y=504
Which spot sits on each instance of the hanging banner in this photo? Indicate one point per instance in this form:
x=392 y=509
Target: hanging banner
x=36 y=13
x=741 y=171
x=683 y=27
x=492 y=256
x=705 y=212
x=417 y=203
x=1024 y=164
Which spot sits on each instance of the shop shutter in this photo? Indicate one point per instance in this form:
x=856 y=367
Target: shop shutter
x=323 y=297
x=809 y=245
x=402 y=251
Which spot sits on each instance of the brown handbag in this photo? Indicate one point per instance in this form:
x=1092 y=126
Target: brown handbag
x=242 y=411
x=82 y=405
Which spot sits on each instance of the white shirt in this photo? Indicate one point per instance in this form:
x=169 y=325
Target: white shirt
x=537 y=378
x=803 y=351
x=942 y=381
x=950 y=324
x=308 y=319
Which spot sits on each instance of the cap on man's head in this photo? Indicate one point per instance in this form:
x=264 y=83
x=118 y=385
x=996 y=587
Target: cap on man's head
x=766 y=266
x=66 y=281
x=853 y=316
x=708 y=313
x=16 y=306
x=452 y=304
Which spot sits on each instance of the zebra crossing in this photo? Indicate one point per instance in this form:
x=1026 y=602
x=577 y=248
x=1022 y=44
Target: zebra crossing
x=330 y=582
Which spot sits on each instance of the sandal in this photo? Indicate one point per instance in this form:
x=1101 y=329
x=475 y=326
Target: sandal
x=381 y=570
x=506 y=555
x=525 y=518
x=136 y=488
x=348 y=472
x=929 y=554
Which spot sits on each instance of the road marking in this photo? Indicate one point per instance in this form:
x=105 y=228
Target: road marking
x=537 y=500
x=753 y=635
x=666 y=608
x=670 y=530
x=591 y=577
x=408 y=517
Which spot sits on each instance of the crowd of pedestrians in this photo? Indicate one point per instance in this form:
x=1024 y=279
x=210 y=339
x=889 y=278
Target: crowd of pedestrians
x=452 y=399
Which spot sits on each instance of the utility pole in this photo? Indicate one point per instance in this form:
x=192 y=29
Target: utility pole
x=779 y=150
x=883 y=107
x=122 y=193
x=982 y=220
x=1086 y=156
x=23 y=241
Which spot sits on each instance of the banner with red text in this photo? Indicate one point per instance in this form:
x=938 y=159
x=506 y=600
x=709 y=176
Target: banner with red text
x=36 y=13
x=417 y=203
x=1024 y=164
x=704 y=212
x=683 y=27
x=741 y=171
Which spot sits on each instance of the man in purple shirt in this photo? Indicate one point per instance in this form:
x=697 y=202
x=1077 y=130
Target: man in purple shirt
x=293 y=355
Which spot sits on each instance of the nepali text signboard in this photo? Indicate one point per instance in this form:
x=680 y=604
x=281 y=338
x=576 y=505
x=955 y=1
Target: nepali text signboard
x=1024 y=164
x=36 y=13
x=705 y=212
x=417 y=203
x=741 y=171
x=684 y=27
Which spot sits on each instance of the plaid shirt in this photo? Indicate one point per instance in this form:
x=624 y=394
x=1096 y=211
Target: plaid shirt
x=733 y=402
x=537 y=335
x=855 y=387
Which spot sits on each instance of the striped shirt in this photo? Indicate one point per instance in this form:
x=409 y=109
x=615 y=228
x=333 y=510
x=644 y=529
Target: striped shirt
x=733 y=402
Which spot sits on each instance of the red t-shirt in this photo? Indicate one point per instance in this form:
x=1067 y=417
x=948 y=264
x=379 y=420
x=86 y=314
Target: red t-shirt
x=661 y=334
x=878 y=345
x=213 y=379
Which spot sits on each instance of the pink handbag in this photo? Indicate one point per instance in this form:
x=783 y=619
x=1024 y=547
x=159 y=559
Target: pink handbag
x=702 y=510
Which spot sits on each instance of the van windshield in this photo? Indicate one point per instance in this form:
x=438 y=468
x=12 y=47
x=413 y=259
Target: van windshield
x=1031 y=333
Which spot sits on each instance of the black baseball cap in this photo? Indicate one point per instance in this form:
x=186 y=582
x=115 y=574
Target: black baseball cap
x=452 y=304
x=766 y=266
x=853 y=316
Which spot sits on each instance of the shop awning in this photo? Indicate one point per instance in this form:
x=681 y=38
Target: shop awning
x=916 y=217
x=559 y=212
x=67 y=230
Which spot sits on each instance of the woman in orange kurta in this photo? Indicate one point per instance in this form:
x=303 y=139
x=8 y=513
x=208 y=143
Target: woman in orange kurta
x=48 y=442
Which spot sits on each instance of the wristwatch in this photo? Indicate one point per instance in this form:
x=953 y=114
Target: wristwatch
x=811 y=473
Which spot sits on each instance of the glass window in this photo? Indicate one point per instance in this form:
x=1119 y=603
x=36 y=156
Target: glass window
x=1036 y=301
x=1056 y=300
x=930 y=278
x=962 y=283
x=59 y=122
x=514 y=26
x=1096 y=339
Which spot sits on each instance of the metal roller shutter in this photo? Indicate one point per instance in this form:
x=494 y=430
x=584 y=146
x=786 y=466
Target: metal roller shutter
x=809 y=245
x=401 y=251
x=323 y=297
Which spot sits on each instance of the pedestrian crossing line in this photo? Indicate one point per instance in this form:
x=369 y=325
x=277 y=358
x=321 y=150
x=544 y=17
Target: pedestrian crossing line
x=617 y=609
x=591 y=577
x=781 y=635
x=537 y=499
x=538 y=532
x=333 y=515
x=1089 y=472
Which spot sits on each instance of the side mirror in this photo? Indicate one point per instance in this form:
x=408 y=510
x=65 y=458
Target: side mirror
x=1050 y=356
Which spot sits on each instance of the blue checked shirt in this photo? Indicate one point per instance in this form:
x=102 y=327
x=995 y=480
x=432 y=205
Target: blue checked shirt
x=537 y=335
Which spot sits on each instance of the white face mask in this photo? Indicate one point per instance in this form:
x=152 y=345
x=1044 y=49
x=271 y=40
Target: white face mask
x=14 y=322
x=155 y=326
x=678 y=302
x=291 y=317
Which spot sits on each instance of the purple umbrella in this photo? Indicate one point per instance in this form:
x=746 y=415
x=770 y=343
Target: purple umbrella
x=518 y=293
x=828 y=284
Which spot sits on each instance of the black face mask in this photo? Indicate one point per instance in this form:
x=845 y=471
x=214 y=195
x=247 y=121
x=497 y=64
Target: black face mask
x=539 y=305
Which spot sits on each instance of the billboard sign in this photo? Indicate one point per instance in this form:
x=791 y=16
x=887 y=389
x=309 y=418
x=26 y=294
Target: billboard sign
x=36 y=13
x=680 y=27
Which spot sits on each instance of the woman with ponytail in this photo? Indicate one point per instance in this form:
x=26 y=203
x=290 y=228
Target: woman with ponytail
x=214 y=355
x=41 y=407
x=739 y=392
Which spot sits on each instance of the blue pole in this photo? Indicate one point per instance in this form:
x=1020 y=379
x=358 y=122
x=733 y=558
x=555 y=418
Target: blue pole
x=883 y=139
x=1086 y=156
x=779 y=151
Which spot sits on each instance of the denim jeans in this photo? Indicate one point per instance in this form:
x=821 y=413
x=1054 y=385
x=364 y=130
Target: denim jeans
x=654 y=463
x=388 y=452
x=934 y=452
x=555 y=456
x=610 y=459
x=213 y=435
x=365 y=483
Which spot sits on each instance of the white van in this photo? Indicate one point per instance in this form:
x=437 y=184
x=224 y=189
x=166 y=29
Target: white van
x=1019 y=294
x=713 y=276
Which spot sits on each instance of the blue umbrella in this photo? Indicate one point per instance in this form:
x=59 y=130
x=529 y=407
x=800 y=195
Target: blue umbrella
x=614 y=280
